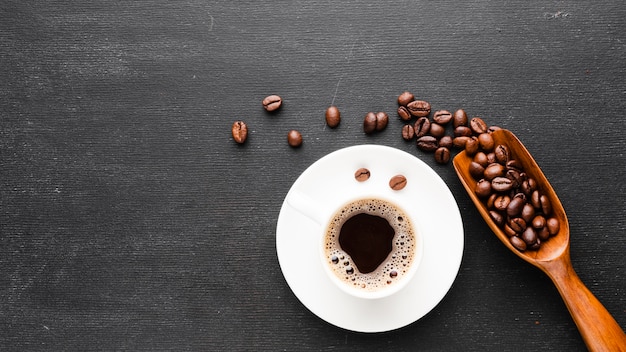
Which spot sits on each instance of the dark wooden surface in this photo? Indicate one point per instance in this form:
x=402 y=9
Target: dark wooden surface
x=130 y=220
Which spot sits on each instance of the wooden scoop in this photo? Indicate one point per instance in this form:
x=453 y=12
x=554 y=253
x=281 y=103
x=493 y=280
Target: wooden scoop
x=598 y=328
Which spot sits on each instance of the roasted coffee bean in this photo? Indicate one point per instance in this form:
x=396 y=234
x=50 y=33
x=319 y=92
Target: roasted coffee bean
x=553 y=226
x=517 y=224
x=446 y=141
x=294 y=138
x=408 y=132
x=483 y=188
x=543 y=233
x=240 y=131
x=405 y=98
x=496 y=217
x=535 y=199
x=491 y=158
x=333 y=116
x=462 y=131
x=494 y=170
x=476 y=170
x=515 y=177
x=515 y=206
x=404 y=113
x=518 y=243
x=514 y=164
x=459 y=142
x=502 y=153
x=422 y=127
x=546 y=206
x=427 y=143
x=529 y=236
x=442 y=117
x=369 y=123
x=501 y=184
x=362 y=174
x=381 y=120
x=486 y=142
x=491 y=200
x=481 y=158
x=437 y=130
x=528 y=186
x=272 y=103
x=419 y=108
x=442 y=155
x=459 y=118
x=478 y=125
x=501 y=202
x=508 y=230
x=471 y=146
x=528 y=212
x=397 y=182
x=539 y=222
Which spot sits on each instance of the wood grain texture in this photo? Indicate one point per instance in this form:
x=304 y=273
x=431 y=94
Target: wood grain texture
x=130 y=220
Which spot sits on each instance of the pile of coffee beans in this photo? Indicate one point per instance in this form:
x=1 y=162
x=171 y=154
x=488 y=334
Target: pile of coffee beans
x=514 y=199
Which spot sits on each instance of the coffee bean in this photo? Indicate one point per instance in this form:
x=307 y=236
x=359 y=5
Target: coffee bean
x=427 y=143
x=422 y=126
x=397 y=182
x=239 y=131
x=462 y=131
x=369 y=123
x=333 y=116
x=502 y=202
x=546 y=206
x=405 y=98
x=442 y=155
x=294 y=138
x=481 y=158
x=408 y=132
x=502 y=153
x=517 y=224
x=515 y=206
x=459 y=118
x=483 y=188
x=478 y=125
x=539 y=222
x=508 y=230
x=404 y=113
x=501 y=184
x=437 y=130
x=419 y=108
x=381 y=120
x=476 y=170
x=529 y=236
x=528 y=212
x=496 y=217
x=362 y=174
x=446 y=141
x=272 y=103
x=486 y=142
x=553 y=226
x=460 y=142
x=514 y=164
x=518 y=243
x=442 y=117
x=543 y=233
x=494 y=170
x=535 y=199
x=471 y=146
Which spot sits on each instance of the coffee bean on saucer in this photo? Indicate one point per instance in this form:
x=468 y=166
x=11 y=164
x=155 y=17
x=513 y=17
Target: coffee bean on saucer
x=272 y=103
x=294 y=138
x=397 y=182
x=240 y=131
x=333 y=116
x=362 y=174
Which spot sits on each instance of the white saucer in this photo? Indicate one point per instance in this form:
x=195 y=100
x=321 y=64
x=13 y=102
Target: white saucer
x=428 y=201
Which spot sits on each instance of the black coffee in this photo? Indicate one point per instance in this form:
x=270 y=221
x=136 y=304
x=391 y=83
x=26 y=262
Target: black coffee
x=370 y=243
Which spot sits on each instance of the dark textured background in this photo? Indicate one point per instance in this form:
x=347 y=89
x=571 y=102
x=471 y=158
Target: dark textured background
x=130 y=220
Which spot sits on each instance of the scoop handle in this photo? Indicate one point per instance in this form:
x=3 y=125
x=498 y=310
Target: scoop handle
x=598 y=328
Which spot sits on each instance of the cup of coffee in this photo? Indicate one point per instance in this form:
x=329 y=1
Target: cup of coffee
x=369 y=246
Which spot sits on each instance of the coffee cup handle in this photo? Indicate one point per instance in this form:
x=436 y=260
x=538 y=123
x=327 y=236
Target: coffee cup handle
x=306 y=206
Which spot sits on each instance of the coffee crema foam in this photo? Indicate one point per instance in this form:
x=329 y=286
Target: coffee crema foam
x=394 y=267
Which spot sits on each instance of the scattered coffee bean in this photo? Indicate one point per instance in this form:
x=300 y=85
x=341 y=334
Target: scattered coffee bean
x=272 y=103
x=427 y=143
x=478 y=125
x=419 y=108
x=422 y=127
x=459 y=118
x=294 y=138
x=240 y=131
x=405 y=98
x=442 y=155
x=442 y=117
x=446 y=141
x=408 y=132
x=381 y=120
x=362 y=174
x=333 y=116
x=437 y=130
x=462 y=131
x=404 y=113
x=369 y=123
x=486 y=142
x=397 y=182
